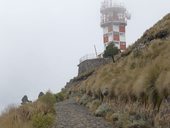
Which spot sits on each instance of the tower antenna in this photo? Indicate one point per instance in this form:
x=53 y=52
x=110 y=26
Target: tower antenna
x=95 y=50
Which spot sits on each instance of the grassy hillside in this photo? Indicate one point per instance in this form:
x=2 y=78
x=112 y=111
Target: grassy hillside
x=39 y=114
x=138 y=84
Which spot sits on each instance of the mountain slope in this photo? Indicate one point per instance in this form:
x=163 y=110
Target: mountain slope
x=141 y=77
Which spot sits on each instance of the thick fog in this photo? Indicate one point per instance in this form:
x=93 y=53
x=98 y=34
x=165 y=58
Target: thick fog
x=41 y=41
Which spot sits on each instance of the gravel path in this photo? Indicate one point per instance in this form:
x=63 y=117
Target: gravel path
x=72 y=115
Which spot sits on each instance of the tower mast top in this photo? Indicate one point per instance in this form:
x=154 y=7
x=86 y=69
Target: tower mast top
x=112 y=12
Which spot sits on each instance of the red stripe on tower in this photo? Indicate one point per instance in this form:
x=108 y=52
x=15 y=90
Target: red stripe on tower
x=122 y=28
x=122 y=45
x=105 y=38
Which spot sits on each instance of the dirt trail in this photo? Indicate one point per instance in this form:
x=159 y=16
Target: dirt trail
x=72 y=115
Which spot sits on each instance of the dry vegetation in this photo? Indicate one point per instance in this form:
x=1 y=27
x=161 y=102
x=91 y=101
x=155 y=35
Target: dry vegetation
x=39 y=114
x=134 y=92
x=136 y=87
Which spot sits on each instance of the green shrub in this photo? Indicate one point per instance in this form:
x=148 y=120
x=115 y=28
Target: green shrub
x=43 y=121
x=48 y=99
x=111 y=51
x=60 y=96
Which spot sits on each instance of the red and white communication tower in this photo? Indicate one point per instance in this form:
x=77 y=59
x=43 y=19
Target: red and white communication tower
x=113 y=21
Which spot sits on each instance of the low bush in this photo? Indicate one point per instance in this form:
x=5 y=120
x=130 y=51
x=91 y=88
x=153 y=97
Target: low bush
x=60 y=96
x=42 y=121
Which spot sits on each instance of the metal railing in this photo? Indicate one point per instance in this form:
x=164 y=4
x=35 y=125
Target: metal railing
x=88 y=57
x=105 y=21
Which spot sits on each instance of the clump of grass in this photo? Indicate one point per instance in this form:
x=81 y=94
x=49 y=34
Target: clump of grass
x=94 y=105
x=102 y=110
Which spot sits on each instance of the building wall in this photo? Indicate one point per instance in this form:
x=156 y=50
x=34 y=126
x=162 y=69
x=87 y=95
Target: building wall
x=91 y=64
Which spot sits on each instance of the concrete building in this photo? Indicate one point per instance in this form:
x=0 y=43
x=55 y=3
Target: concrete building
x=113 y=21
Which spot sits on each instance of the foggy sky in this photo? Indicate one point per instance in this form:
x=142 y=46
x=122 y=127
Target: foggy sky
x=41 y=41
